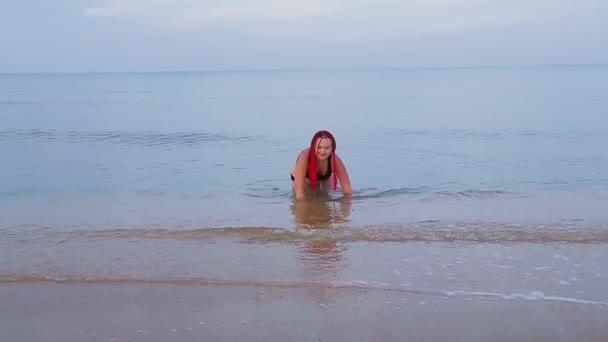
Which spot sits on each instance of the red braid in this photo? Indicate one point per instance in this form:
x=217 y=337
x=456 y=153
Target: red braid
x=312 y=158
x=335 y=173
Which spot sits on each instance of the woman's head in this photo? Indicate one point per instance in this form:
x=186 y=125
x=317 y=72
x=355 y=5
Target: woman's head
x=322 y=147
x=323 y=144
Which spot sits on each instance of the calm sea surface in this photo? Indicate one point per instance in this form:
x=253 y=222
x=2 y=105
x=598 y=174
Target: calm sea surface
x=515 y=145
x=144 y=175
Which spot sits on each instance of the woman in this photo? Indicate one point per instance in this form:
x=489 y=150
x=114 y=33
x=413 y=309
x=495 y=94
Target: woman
x=316 y=165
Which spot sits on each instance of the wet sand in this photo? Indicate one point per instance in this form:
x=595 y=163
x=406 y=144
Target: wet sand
x=50 y=311
x=488 y=283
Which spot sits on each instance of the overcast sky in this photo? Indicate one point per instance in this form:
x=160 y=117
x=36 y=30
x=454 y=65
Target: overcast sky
x=134 y=35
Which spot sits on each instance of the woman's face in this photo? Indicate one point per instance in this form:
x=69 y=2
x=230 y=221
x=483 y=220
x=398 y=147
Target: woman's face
x=323 y=148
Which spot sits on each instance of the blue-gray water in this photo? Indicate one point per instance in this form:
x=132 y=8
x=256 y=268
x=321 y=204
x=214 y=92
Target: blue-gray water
x=196 y=149
x=470 y=181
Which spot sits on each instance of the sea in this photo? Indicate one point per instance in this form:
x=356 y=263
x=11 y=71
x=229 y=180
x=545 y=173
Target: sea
x=486 y=183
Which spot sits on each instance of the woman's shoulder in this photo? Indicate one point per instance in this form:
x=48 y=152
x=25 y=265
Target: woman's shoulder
x=302 y=156
x=304 y=153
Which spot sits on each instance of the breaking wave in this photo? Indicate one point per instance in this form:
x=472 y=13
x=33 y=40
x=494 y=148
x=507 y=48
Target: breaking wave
x=430 y=231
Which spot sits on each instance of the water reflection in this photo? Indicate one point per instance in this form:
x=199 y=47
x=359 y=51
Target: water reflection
x=322 y=255
x=322 y=211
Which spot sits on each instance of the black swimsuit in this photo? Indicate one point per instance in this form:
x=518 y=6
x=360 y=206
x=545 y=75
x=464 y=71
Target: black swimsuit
x=320 y=177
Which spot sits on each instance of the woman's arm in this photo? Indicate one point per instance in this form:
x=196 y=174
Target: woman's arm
x=343 y=176
x=299 y=174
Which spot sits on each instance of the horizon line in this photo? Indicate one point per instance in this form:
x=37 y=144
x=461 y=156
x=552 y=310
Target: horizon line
x=304 y=69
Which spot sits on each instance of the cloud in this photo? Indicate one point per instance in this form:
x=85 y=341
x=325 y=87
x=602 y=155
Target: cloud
x=339 y=19
x=168 y=13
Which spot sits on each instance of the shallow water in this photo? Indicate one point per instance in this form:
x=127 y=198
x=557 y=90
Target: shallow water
x=470 y=184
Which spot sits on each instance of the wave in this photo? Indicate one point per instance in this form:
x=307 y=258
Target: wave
x=344 y=285
x=430 y=193
x=421 y=232
x=423 y=193
x=504 y=135
x=24 y=103
x=122 y=137
x=22 y=278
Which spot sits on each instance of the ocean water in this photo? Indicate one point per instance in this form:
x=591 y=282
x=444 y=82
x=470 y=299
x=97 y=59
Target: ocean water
x=511 y=145
x=466 y=180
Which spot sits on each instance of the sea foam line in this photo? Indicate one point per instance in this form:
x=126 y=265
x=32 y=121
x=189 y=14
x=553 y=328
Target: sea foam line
x=534 y=295
x=356 y=285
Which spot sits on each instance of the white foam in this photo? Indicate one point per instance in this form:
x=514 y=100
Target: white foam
x=534 y=295
x=359 y=282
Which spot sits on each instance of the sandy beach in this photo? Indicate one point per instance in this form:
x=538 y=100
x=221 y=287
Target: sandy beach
x=48 y=311
x=117 y=287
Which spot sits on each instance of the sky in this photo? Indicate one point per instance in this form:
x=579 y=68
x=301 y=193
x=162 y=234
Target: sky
x=168 y=35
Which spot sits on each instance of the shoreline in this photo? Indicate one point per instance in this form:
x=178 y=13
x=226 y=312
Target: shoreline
x=161 y=312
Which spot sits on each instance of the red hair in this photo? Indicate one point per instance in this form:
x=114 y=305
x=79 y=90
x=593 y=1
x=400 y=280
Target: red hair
x=312 y=158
